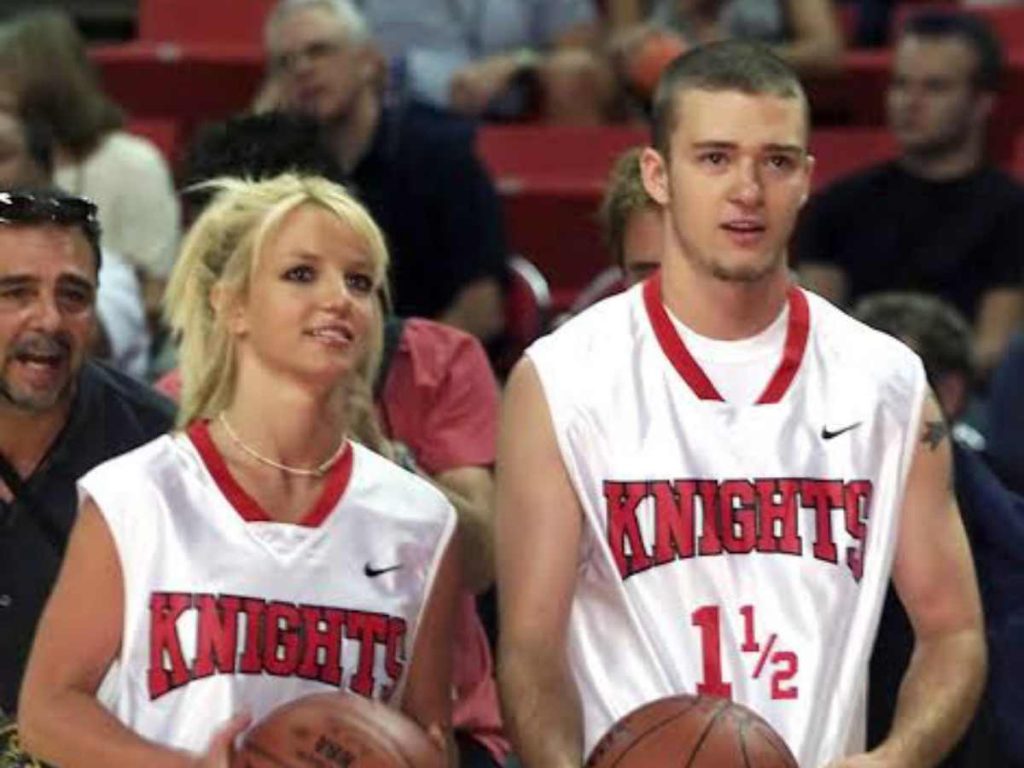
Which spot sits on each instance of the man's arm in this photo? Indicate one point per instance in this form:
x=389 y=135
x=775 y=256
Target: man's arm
x=817 y=44
x=999 y=316
x=471 y=492
x=934 y=577
x=538 y=535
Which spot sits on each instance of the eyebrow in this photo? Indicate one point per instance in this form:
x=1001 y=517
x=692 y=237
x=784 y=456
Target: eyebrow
x=14 y=281
x=794 y=149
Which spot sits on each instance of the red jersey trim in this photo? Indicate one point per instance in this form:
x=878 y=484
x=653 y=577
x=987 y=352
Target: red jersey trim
x=797 y=331
x=246 y=506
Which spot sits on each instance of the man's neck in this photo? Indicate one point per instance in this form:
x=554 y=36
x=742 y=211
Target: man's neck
x=350 y=137
x=955 y=163
x=25 y=437
x=722 y=309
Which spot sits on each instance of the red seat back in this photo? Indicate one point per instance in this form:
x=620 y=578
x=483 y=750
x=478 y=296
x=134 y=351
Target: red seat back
x=203 y=21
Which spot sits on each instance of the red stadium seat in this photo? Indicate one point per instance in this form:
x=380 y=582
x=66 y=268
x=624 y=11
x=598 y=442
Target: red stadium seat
x=839 y=152
x=203 y=21
x=165 y=133
x=551 y=180
x=527 y=311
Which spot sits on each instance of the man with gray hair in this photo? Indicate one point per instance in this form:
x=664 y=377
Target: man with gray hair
x=413 y=167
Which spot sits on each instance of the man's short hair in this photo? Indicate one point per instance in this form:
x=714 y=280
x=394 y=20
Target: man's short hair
x=972 y=31
x=930 y=326
x=623 y=196
x=732 y=65
x=258 y=147
x=352 y=20
x=26 y=206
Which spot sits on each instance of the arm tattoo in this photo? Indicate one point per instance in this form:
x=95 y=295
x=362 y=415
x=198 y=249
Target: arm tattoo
x=934 y=433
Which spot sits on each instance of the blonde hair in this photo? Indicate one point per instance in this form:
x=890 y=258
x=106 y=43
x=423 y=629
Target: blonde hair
x=221 y=251
x=624 y=195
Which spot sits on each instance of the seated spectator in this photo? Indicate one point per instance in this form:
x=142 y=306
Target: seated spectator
x=60 y=414
x=940 y=218
x=1006 y=416
x=437 y=403
x=413 y=167
x=631 y=227
x=631 y=220
x=647 y=34
x=994 y=521
x=486 y=57
x=26 y=160
x=44 y=57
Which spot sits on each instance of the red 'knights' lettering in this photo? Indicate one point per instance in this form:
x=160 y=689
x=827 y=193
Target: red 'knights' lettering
x=245 y=635
x=654 y=522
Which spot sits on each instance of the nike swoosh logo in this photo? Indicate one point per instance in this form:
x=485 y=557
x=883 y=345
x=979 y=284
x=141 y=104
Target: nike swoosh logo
x=373 y=573
x=827 y=434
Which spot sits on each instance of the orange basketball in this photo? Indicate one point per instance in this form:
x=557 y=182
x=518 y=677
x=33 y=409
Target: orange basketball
x=695 y=731
x=334 y=729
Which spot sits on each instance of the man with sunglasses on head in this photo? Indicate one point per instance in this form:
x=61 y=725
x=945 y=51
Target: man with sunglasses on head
x=60 y=413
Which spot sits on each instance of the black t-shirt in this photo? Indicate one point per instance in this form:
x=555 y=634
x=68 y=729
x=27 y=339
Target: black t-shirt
x=889 y=230
x=112 y=414
x=439 y=211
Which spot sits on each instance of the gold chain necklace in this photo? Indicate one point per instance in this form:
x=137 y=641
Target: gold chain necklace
x=318 y=471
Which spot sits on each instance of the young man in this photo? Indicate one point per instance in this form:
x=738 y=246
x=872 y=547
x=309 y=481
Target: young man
x=940 y=218
x=705 y=482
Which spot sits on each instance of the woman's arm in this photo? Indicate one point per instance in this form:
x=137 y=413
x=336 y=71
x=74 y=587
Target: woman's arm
x=78 y=636
x=428 y=693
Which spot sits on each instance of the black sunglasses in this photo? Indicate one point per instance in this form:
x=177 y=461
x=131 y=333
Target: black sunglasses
x=29 y=208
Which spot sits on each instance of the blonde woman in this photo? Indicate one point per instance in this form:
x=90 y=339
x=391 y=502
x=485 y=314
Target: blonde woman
x=257 y=555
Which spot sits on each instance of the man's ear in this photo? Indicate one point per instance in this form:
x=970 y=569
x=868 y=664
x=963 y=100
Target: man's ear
x=654 y=172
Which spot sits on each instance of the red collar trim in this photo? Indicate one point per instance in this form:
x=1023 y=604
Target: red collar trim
x=246 y=506
x=797 y=330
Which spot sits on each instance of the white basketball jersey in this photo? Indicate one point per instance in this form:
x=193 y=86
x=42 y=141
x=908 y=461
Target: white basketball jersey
x=734 y=550
x=226 y=609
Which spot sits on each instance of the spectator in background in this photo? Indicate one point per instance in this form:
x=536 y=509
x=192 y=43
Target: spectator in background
x=647 y=34
x=940 y=218
x=45 y=59
x=122 y=338
x=60 y=414
x=413 y=167
x=1006 y=416
x=994 y=520
x=631 y=228
x=631 y=220
x=437 y=403
x=481 y=57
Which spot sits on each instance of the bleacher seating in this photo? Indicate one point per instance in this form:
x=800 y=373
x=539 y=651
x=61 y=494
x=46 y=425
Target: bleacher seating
x=236 y=22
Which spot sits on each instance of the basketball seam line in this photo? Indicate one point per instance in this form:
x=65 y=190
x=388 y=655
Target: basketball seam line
x=269 y=756
x=779 y=752
x=700 y=742
x=743 y=744
x=653 y=728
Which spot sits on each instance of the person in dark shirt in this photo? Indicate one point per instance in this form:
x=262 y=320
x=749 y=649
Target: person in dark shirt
x=939 y=219
x=412 y=165
x=60 y=414
x=994 y=520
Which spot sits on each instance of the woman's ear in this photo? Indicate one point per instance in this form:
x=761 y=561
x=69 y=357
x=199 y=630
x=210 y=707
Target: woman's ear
x=228 y=307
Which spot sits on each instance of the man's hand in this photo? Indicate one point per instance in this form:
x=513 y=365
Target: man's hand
x=221 y=749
